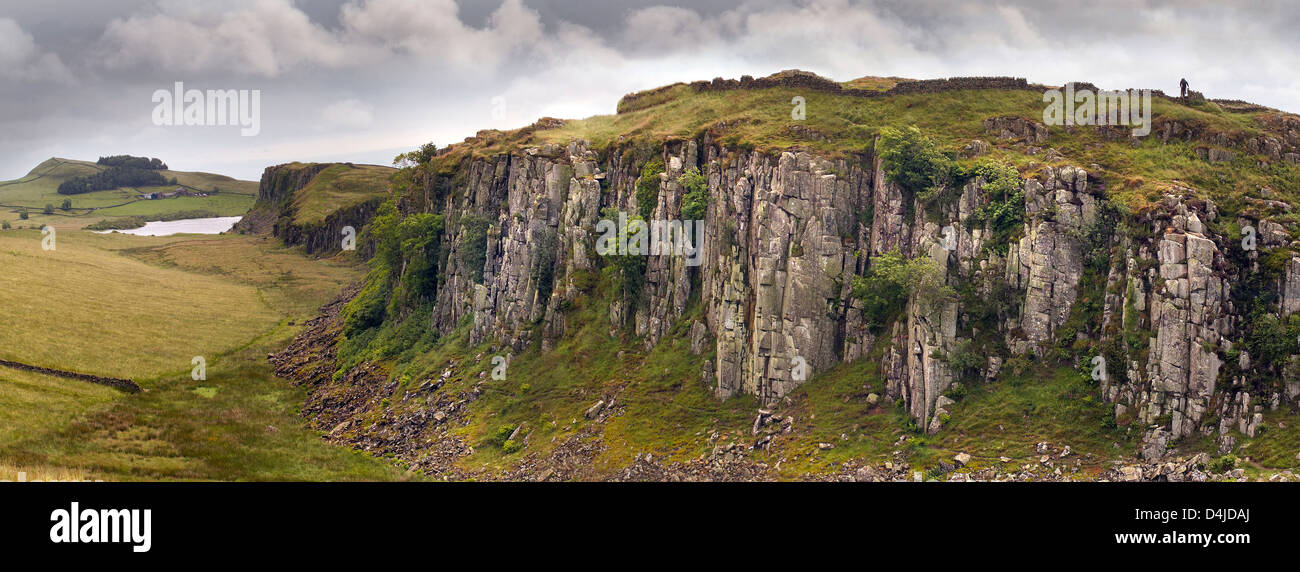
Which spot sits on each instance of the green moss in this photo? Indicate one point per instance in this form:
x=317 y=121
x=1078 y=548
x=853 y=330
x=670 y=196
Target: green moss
x=473 y=246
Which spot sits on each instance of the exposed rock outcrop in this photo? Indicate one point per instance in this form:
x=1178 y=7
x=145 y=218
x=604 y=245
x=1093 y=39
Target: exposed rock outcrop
x=785 y=233
x=783 y=239
x=1048 y=261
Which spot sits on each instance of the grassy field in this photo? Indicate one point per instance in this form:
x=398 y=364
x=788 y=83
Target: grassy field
x=40 y=188
x=59 y=400
x=83 y=290
x=157 y=303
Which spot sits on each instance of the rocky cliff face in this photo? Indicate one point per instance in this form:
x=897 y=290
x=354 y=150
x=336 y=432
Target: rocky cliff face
x=785 y=234
x=1178 y=293
x=1047 y=263
x=326 y=236
x=783 y=239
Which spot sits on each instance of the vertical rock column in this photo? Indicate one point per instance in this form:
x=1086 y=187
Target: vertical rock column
x=1048 y=261
x=1187 y=313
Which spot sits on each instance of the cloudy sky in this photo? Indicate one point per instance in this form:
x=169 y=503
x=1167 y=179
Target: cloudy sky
x=362 y=80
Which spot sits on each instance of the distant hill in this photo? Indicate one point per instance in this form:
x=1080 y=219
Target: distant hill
x=226 y=196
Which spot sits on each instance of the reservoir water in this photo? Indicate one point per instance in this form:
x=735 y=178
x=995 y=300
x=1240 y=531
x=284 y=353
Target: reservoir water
x=216 y=225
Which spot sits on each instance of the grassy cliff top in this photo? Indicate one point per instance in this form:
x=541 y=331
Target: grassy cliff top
x=339 y=186
x=844 y=118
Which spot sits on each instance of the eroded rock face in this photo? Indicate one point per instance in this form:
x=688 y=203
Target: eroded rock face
x=1178 y=289
x=274 y=193
x=783 y=238
x=1291 y=288
x=1048 y=261
x=1012 y=127
x=1186 y=311
x=780 y=254
x=540 y=228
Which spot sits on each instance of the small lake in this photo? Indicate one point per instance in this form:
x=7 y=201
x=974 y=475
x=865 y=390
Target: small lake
x=215 y=225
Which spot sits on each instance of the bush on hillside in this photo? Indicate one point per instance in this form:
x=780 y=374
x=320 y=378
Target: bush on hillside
x=647 y=187
x=914 y=163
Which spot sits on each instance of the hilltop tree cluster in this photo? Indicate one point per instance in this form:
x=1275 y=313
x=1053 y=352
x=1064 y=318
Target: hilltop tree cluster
x=133 y=162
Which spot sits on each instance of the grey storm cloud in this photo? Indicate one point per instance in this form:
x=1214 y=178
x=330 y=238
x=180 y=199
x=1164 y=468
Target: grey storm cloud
x=21 y=61
x=365 y=79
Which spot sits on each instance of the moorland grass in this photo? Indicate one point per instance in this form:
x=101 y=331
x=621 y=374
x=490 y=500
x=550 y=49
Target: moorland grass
x=233 y=296
x=84 y=308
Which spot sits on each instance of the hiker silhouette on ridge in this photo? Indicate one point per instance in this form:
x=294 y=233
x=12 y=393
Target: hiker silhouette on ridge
x=1183 y=85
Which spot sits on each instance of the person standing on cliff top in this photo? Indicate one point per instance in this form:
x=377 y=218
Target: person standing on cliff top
x=1183 y=85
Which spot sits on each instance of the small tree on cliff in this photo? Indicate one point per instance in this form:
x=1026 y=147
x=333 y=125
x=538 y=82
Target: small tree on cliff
x=891 y=280
x=914 y=163
x=695 y=194
x=647 y=188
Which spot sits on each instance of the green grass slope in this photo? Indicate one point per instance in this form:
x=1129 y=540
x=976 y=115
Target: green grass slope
x=338 y=187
